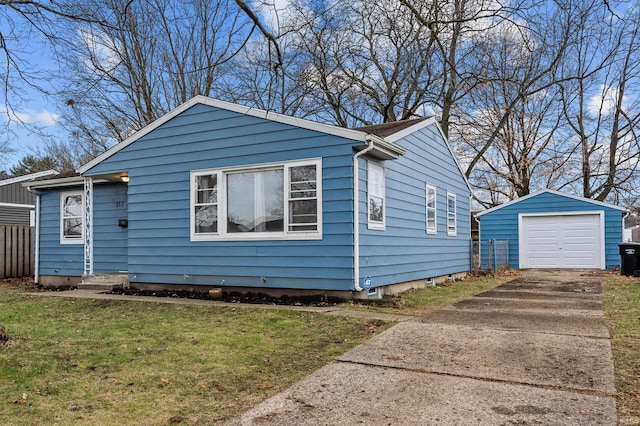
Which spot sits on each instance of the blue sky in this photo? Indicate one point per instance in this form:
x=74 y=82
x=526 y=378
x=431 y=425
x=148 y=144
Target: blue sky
x=31 y=107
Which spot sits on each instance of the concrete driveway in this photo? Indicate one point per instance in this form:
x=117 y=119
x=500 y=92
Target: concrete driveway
x=534 y=351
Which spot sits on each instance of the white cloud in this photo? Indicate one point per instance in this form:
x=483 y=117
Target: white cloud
x=29 y=116
x=605 y=101
x=101 y=51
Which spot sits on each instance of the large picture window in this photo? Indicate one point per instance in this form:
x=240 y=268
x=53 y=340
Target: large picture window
x=71 y=218
x=265 y=201
x=376 y=200
x=451 y=214
x=432 y=225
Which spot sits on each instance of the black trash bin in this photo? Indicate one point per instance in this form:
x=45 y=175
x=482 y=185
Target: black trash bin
x=629 y=258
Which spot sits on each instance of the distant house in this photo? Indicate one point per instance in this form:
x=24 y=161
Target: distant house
x=631 y=233
x=475 y=227
x=17 y=202
x=550 y=229
x=216 y=194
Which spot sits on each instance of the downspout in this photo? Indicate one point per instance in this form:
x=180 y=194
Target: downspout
x=36 y=258
x=624 y=216
x=356 y=214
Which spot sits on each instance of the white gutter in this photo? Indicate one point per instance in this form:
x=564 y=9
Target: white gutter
x=36 y=260
x=356 y=214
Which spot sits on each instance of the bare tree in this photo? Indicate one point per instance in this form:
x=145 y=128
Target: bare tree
x=30 y=28
x=142 y=60
x=526 y=155
x=455 y=26
x=507 y=124
x=365 y=62
x=37 y=22
x=254 y=81
x=602 y=108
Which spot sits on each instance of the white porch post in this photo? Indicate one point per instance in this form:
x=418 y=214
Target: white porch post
x=88 y=226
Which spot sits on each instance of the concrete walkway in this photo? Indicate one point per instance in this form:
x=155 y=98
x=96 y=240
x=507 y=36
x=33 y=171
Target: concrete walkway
x=534 y=351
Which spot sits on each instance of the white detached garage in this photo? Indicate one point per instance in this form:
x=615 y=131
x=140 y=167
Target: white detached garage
x=549 y=229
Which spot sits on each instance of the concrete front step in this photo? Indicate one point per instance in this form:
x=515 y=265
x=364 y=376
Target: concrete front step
x=106 y=282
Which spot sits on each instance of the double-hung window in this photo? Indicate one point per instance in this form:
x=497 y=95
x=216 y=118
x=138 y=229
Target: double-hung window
x=71 y=218
x=451 y=214
x=432 y=225
x=376 y=192
x=258 y=202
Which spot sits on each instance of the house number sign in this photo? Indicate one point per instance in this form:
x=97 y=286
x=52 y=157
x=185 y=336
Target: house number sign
x=367 y=282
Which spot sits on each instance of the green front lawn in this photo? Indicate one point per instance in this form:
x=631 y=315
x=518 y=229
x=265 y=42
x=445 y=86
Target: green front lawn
x=71 y=361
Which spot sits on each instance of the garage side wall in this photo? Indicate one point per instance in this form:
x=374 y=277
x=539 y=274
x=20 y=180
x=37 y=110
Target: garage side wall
x=502 y=224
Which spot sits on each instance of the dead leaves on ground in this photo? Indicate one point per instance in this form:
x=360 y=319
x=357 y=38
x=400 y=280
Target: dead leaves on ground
x=22 y=400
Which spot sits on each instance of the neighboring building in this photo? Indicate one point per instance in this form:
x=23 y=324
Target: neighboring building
x=17 y=202
x=632 y=234
x=549 y=229
x=220 y=195
x=475 y=227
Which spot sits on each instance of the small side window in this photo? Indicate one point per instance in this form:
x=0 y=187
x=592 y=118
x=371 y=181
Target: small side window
x=432 y=225
x=451 y=214
x=376 y=194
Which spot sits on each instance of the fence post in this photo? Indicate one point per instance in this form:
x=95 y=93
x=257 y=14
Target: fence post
x=490 y=254
x=3 y=246
x=11 y=251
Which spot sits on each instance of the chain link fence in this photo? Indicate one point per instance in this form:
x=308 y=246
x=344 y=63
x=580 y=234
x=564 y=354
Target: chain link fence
x=490 y=254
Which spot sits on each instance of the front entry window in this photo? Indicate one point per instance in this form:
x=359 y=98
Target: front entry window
x=71 y=218
x=261 y=201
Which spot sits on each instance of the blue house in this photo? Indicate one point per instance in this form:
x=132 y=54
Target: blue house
x=215 y=194
x=550 y=229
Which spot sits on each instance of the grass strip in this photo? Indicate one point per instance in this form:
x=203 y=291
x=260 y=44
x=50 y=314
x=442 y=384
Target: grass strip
x=622 y=313
x=421 y=301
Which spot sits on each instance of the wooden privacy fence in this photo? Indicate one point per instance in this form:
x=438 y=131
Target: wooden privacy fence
x=16 y=251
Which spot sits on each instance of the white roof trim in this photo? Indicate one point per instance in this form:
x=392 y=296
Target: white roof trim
x=254 y=112
x=18 y=206
x=552 y=191
x=55 y=183
x=30 y=176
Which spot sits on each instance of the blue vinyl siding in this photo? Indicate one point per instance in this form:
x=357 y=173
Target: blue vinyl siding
x=110 y=241
x=55 y=258
x=404 y=251
x=205 y=137
x=502 y=224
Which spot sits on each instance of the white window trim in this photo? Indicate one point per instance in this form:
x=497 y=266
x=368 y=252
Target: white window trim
x=451 y=195
x=373 y=224
x=286 y=234
x=433 y=230
x=67 y=240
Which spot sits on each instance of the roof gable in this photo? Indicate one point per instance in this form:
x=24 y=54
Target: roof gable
x=551 y=191
x=419 y=124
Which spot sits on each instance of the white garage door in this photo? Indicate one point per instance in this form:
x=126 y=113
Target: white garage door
x=561 y=241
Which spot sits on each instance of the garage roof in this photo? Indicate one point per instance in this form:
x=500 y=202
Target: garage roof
x=551 y=191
